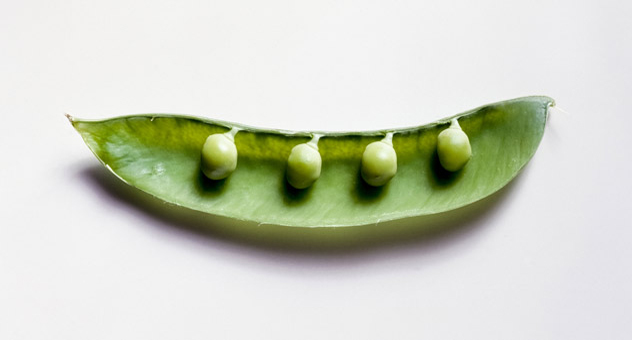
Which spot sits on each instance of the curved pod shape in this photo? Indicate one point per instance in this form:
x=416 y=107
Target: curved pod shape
x=160 y=154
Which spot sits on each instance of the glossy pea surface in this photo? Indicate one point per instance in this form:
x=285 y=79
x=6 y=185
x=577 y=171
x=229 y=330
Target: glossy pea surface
x=379 y=163
x=303 y=166
x=219 y=156
x=453 y=147
x=160 y=154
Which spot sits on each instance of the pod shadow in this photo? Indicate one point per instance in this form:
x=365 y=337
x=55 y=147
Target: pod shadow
x=209 y=187
x=442 y=177
x=291 y=195
x=415 y=232
x=366 y=193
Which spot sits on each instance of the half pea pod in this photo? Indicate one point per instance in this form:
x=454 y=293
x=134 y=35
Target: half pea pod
x=319 y=179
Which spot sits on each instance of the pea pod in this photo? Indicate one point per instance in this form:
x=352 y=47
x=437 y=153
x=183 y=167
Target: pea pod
x=160 y=154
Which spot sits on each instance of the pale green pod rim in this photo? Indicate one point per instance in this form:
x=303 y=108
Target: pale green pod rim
x=160 y=154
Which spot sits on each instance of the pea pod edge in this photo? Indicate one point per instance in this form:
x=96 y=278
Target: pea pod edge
x=160 y=155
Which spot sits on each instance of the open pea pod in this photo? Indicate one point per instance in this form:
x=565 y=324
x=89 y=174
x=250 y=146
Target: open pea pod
x=160 y=154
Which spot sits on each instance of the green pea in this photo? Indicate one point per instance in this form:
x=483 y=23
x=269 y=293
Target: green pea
x=219 y=156
x=453 y=147
x=379 y=162
x=303 y=165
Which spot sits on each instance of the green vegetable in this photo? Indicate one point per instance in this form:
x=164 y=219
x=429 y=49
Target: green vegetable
x=219 y=156
x=379 y=162
x=453 y=147
x=161 y=155
x=304 y=164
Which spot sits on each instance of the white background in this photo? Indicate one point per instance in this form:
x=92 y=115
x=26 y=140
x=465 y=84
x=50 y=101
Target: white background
x=82 y=256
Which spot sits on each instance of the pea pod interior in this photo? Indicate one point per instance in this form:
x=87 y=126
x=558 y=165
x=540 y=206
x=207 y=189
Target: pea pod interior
x=160 y=154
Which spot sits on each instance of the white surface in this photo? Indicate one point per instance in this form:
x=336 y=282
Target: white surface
x=81 y=258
